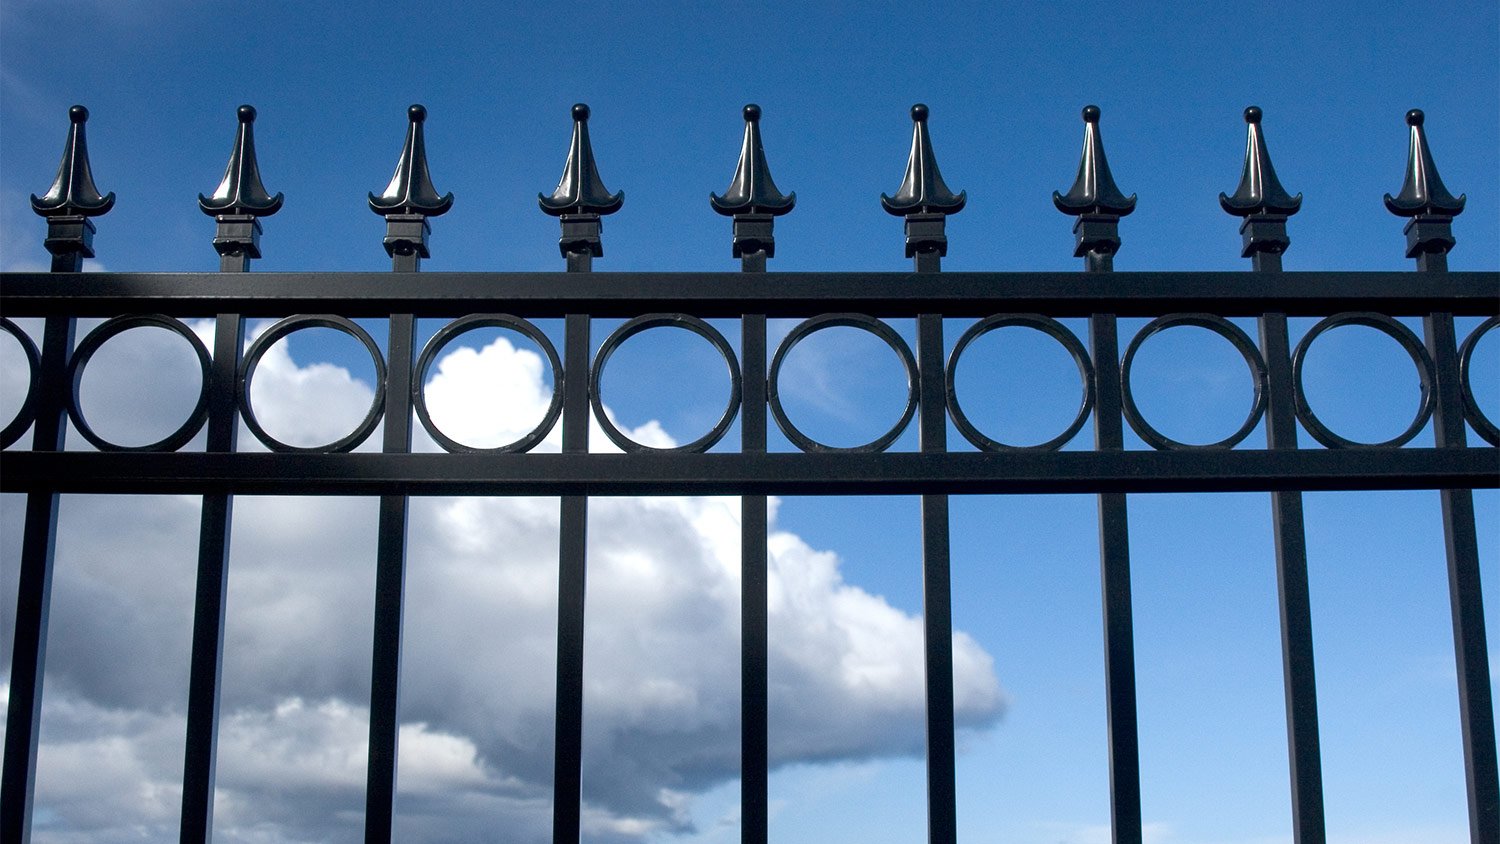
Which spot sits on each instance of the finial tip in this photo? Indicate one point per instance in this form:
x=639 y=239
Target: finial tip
x=1415 y=117
x=752 y=112
x=919 y=112
x=1252 y=114
x=78 y=114
x=246 y=113
x=417 y=113
x=580 y=111
x=1090 y=114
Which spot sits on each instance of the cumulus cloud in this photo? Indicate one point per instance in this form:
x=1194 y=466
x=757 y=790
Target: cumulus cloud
x=661 y=649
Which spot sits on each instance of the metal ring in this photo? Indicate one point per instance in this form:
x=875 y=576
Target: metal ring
x=1482 y=424
x=101 y=335
x=284 y=328
x=818 y=323
x=1242 y=344
x=470 y=323
x=17 y=426
x=636 y=326
x=1391 y=328
x=1051 y=328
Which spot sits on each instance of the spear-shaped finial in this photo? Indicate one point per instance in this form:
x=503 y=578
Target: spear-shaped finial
x=924 y=199
x=410 y=199
x=580 y=199
x=752 y=198
x=239 y=200
x=580 y=190
x=1262 y=201
x=72 y=200
x=922 y=190
x=73 y=193
x=752 y=191
x=1260 y=192
x=1423 y=192
x=411 y=190
x=1424 y=198
x=240 y=191
x=1094 y=191
x=1095 y=201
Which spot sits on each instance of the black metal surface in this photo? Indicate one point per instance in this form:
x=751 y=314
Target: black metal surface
x=513 y=301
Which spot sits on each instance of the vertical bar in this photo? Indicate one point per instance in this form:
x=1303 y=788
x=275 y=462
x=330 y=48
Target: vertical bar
x=390 y=582
x=34 y=595
x=1304 y=754
x=211 y=591
x=1471 y=652
x=754 y=623
x=567 y=775
x=937 y=603
x=1114 y=577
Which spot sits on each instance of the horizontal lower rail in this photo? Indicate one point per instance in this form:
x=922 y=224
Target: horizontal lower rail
x=751 y=474
x=731 y=294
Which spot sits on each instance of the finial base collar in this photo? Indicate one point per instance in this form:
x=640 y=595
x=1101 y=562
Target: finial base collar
x=1264 y=233
x=1429 y=234
x=580 y=235
x=753 y=233
x=1096 y=233
x=71 y=234
x=926 y=233
x=406 y=234
x=237 y=234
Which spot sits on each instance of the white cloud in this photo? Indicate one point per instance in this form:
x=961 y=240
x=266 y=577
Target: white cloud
x=662 y=645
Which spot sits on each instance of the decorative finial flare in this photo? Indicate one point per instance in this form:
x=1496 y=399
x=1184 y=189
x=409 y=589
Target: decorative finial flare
x=73 y=193
x=1423 y=193
x=922 y=190
x=1260 y=192
x=1094 y=191
x=752 y=191
x=241 y=192
x=411 y=191
x=580 y=190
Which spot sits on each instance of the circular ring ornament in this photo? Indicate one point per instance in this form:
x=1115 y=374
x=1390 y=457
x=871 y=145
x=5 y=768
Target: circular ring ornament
x=636 y=326
x=1482 y=424
x=860 y=321
x=1389 y=327
x=1051 y=328
x=1242 y=344
x=17 y=426
x=103 y=334
x=281 y=329
x=463 y=326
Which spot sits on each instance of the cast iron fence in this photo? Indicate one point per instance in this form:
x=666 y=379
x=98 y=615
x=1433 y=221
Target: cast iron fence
x=987 y=301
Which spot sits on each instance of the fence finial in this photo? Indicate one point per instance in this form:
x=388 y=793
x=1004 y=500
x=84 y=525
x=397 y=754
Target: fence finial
x=240 y=192
x=580 y=190
x=411 y=190
x=1424 y=198
x=1094 y=191
x=580 y=198
x=1095 y=201
x=923 y=198
x=410 y=199
x=239 y=201
x=72 y=200
x=752 y=197
x=922 y=190
x=73 y=193
x=1260 y=192
x=1261 y=200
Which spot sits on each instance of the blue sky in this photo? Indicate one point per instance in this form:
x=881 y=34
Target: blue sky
x=1005 y=84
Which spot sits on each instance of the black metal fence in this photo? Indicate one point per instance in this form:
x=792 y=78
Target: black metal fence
x=988 y=301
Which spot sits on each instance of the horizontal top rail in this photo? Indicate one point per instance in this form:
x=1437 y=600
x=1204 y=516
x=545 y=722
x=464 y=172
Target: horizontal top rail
x=723 y=294
x=752 y=474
